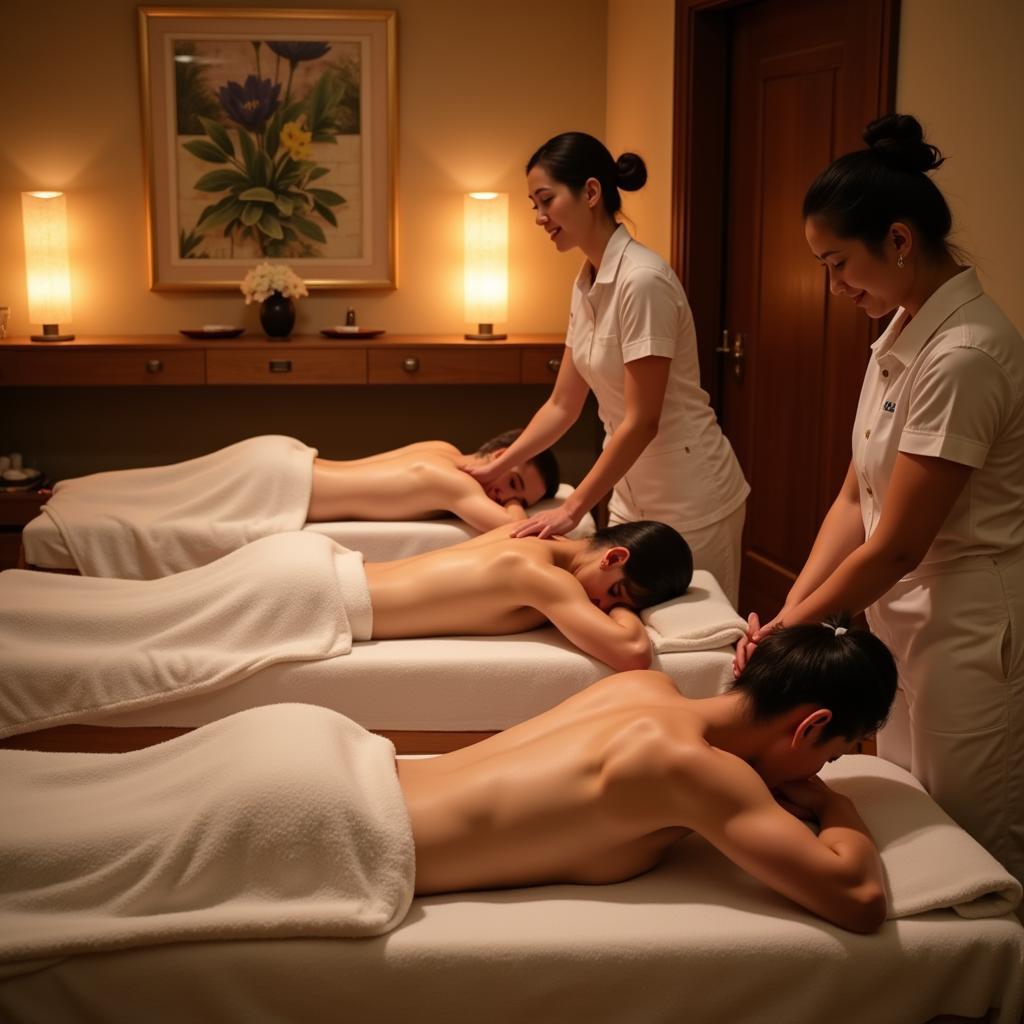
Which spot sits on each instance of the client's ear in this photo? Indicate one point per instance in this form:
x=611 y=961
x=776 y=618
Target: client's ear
x=614 y=556
x=808 y=732
x=497 y=452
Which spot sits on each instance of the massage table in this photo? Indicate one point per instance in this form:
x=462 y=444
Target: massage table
x=694 y=940
x=266 y=631
x=44 y=547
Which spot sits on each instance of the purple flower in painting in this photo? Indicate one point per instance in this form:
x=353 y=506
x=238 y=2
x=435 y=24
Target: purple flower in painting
x=250 y=105
x=299 y=51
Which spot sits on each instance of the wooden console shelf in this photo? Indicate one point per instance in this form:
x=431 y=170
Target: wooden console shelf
x=166 y=360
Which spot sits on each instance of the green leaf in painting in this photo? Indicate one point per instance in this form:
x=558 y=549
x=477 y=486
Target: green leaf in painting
x=307 y=227
x=252 y=213
x=223 y=213
x=284 y=206
x=248 y=148
x=270 y=225
x=217 y=181
x=318 y=172
x=326 y=213
x=218 y=133
x=205 y=151
x=257 y=194
x=326 y=196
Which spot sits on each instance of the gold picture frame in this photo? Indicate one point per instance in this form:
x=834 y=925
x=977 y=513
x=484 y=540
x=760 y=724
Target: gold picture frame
x=269 y=135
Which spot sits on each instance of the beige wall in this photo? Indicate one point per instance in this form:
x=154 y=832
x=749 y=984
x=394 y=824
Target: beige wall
x=481 y=85
x=641 y=47
x=961 y=74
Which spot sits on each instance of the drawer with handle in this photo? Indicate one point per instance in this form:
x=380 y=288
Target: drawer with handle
x=108 y=368
x=541 y=365
x=286 y=366
x=443 y=366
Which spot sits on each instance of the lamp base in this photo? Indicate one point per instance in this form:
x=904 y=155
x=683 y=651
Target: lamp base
x=51 y=332
x=486 y=333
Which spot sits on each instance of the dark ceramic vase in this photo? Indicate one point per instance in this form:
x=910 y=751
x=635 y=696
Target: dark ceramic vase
x=277 y=315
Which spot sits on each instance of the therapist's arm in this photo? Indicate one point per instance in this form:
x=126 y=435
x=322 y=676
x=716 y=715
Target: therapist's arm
x=645 y=381
x=548 y=424
x=922 y=491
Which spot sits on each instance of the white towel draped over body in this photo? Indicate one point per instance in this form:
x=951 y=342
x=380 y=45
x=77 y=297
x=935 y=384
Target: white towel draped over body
x=275 y=822
x=152 y=522
x=73 y=646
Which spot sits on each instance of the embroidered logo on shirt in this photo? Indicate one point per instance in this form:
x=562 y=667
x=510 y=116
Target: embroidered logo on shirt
x=889 y=406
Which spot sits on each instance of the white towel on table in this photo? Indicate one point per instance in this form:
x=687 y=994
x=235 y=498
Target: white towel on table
x=72 y=647
x=930 y=862
x=276 y=822
x=152 y=522
x=702 y=619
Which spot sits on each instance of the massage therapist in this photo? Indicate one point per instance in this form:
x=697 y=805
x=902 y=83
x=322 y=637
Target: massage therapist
x=631 y=341
x=927 y=533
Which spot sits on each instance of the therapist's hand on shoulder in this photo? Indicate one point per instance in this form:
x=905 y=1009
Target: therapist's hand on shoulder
x=554 y=522
x=483 y=474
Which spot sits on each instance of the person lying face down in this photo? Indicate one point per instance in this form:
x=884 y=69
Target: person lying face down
x=590 y=589
x=424 y=481
x=596 y=790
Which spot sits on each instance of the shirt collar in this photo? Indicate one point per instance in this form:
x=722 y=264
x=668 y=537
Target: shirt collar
x=902 y=346
x=610 y=260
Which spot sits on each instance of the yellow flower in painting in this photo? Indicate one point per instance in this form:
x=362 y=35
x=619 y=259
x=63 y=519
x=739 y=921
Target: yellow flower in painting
x=295 y=140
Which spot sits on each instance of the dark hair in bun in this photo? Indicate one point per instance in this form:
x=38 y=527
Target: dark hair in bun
x=862 y=194
x=573 y=157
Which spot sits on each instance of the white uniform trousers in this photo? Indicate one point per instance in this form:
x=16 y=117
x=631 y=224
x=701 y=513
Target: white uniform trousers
x=958 y=724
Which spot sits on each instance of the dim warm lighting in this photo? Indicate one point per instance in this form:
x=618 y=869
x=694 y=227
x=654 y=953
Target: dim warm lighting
x=486 y=262
x=44 y=215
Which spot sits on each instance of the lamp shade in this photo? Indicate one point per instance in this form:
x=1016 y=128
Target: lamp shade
x=486 y=267
x=44 y=216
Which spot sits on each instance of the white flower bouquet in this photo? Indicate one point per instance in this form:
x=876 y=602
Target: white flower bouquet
x=263 y=280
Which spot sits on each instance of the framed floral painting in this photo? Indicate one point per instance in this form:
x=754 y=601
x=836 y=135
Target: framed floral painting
x=269 y=135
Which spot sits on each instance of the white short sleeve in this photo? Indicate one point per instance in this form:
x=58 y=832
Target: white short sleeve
x=958 y=405
x=649 y=310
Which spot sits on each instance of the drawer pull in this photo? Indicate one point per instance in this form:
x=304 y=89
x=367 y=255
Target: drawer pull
x=154 y=365
x=280 y=366
x=410 y=364
x=554 y=364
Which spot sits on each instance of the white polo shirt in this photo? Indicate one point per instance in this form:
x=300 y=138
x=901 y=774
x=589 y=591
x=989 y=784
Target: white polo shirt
x=950 y=384
x=636 y=307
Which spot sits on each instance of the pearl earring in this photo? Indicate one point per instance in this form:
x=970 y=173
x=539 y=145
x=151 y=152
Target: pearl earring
x=899 y=261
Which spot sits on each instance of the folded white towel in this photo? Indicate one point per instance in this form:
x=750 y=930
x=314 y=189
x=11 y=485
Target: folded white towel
x=929 y=861
x=146 y=523
x=702 y=619
x=73 y=647
x=276 y=822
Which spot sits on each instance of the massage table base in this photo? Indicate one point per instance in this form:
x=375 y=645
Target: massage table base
x=107 y=739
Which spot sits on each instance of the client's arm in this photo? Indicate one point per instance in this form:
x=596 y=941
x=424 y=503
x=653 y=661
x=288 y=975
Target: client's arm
x=465 y=498
x=836 y=874
x=617 y=638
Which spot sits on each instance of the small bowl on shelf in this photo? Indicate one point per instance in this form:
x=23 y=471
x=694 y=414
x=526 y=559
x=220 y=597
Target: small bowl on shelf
x=351 y=331
x=213 y=331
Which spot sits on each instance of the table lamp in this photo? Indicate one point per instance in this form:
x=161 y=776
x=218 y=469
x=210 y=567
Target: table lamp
x=486 y=270
x=44 y=216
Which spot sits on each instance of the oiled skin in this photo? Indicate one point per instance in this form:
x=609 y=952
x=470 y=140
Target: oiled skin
x=493 y=585
x=562 y=797
x=417 y=482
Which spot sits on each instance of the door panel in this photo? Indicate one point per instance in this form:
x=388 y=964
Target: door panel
x=804 y=81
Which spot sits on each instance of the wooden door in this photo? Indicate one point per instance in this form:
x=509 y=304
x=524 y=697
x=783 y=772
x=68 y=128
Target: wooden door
x=800 y=80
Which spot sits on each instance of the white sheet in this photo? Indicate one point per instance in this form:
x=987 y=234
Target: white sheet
x=694 y=940
x=152 y=522
x=75 y=646
x=277 y=822
x=379 y=542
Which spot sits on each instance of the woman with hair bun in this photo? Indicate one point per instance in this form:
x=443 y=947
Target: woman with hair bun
x=927 y=533
x=631 y=341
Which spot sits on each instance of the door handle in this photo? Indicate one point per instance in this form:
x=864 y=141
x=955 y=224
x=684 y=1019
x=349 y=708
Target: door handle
x=735 y=351
x=280 y=366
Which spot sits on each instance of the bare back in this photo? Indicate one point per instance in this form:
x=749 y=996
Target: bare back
x=416 y=482
x=473 y=588
x=536 y=804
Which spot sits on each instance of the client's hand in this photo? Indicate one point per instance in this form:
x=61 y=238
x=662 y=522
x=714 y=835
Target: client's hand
x=554 y=522
x=805 y=799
